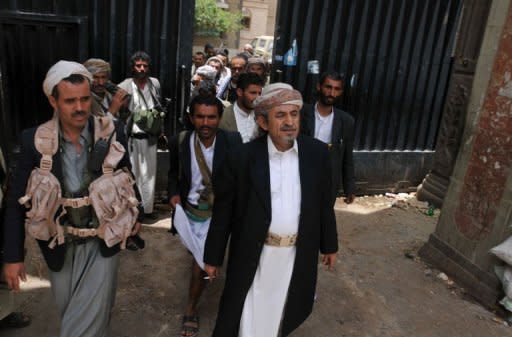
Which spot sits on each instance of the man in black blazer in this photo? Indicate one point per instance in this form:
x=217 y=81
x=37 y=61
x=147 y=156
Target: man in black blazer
x=195 y=158
x=83 y=270
x=273 y=200
x=335 y=128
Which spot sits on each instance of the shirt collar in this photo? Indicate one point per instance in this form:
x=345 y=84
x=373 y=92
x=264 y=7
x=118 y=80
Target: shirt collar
x=204 y=148
x=317 y=114
x=273 y=151
x=239 y=110
x=84 y=135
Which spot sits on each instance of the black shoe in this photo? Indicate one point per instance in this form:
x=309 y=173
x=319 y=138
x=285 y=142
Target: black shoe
x=15 y=320
x=135 y=242
x=150 y=218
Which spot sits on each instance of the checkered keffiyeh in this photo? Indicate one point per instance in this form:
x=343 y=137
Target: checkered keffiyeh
x=276 y=94
x=95 y=66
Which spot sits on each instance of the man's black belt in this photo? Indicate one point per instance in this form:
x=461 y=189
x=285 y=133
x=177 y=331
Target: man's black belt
x=139 y=135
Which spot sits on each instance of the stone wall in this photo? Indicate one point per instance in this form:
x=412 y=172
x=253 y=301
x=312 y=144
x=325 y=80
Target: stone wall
x=476 y=213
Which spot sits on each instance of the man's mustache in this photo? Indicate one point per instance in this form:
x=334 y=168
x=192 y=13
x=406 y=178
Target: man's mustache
x=288 y=128
x=209 y=128
x=140 y=74
x=79 y=113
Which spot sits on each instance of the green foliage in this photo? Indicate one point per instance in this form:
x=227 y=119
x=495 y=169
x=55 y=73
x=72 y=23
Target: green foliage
x=211 y=20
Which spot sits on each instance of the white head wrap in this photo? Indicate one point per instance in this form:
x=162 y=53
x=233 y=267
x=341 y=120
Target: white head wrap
x=216 y=59
x=61 y=70
x=256 y=60
x=276 y=94
x=207 y=72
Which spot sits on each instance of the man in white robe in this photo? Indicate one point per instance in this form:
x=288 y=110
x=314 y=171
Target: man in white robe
x=272 y=198
x=194 y=161
x=145 y=95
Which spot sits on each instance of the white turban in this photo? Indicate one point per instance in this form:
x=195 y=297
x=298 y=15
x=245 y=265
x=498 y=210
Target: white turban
x=206 y=71
x=217 y=60
x=61 y=70
x=256 y=60
x=276 y=94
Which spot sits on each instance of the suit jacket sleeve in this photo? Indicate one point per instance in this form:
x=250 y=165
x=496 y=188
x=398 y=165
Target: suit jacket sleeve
x=329 y=235
x=14 y=229
x=235 y=140
x=173 y=174
x=305 y=128
x=348 y=176
x=221 y=223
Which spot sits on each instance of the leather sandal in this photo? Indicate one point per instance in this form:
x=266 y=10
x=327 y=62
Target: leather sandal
x=190 y=326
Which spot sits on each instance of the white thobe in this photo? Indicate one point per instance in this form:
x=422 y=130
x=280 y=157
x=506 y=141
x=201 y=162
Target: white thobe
x=245 y=123
x=323 y=126
x=265 y=301
x=142 y=154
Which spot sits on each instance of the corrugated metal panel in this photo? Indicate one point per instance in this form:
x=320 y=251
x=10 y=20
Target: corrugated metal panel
x=396 y=54
x=35 y=34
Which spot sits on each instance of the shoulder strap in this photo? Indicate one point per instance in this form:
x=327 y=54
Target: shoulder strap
x=156 y=101
x=46 y=141
x=201 y=162
x=104 y=128
x=205 y=171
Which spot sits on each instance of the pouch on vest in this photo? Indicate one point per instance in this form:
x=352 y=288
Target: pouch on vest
x=43 y=194
x=113 y=198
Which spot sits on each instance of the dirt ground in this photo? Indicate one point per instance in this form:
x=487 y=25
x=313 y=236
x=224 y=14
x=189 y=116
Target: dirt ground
x=379 y=288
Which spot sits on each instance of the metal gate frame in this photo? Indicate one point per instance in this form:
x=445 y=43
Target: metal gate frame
x=397 y=59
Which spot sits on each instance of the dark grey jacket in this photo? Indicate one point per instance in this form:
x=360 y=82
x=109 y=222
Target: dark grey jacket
x=341 y=149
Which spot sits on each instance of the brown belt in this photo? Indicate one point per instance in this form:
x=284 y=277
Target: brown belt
x=82 y=232
x=76 y=202
x=277 y=240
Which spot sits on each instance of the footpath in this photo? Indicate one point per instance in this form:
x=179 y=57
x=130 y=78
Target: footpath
x=380 y=288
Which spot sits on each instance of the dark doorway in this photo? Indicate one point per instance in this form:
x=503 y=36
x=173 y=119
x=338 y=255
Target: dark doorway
x=23 y=65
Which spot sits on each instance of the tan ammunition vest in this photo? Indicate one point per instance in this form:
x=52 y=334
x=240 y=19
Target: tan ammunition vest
x=112 y=195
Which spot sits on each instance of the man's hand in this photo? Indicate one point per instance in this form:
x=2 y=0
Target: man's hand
x=329 y=260
x=13 y=273
x=117 y=101
x=175 y=199
x=136 y=228
x=212 y=271
x=349 y=199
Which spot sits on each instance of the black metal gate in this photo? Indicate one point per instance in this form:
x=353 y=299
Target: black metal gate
x=396 y=58
x=35 y=34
